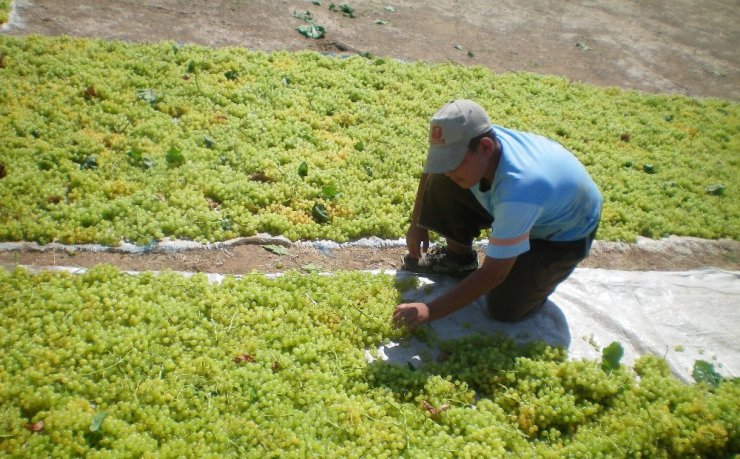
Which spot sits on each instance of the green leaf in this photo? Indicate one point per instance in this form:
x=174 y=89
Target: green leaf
x=312 y=268
x=319 y=213
x=135 y=155
x=390 y=8
x=347 y=10
x=312 y=31
x=611 y=355
x=276 y=249
x=316 y=2
x=137 y=158
x=716 y=190
x=303 y=15
x=330 y=191
x=303 y=169
x=90 y=162
x=381 y=22
x=175 y=157
x=97 y=421
x=148 y=95
x=704 y=372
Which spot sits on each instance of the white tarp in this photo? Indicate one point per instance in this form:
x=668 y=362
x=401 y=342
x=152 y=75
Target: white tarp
x=682 y=316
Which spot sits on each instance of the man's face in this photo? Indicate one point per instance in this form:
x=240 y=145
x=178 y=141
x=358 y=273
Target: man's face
x=470 y=171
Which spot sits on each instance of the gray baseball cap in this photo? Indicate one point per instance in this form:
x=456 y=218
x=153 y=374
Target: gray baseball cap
x=450 y=131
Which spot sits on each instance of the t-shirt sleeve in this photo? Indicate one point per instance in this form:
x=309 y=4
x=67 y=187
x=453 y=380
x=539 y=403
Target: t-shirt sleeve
x=512 y=223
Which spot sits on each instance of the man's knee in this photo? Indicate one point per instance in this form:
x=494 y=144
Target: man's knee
x=512 y=310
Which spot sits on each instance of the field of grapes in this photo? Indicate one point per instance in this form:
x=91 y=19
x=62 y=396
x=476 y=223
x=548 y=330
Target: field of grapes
x=107 y=364
x=110 y=142
x=107 y=141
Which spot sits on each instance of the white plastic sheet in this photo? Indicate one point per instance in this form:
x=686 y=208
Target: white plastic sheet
x=682 y=316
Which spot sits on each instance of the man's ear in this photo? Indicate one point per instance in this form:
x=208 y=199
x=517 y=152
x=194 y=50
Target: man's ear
x=486 y=145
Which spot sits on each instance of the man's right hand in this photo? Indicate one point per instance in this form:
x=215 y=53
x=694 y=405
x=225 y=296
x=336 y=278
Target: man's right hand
x=417 y=241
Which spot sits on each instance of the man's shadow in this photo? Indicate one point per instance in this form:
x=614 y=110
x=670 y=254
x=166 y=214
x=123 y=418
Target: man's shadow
x=548 y=323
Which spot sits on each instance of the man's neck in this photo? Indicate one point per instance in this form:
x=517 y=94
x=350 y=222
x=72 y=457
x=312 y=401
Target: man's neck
x=493 y=161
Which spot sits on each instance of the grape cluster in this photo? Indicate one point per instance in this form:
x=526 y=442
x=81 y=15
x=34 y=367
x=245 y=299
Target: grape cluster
x=105 y=141
x=106 y=364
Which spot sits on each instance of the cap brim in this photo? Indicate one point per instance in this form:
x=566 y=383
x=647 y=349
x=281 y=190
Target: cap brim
x=444 y=159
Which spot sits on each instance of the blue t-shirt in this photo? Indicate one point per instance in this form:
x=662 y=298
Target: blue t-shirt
x=540 y=191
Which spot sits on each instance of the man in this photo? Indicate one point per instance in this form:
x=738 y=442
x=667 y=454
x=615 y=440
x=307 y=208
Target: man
x=540 y=203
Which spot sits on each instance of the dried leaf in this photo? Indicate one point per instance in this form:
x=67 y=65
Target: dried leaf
x=432 y=410
x=35 y=427
x=243 y=358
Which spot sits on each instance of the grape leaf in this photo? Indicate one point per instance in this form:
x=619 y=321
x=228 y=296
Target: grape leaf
x=148 y=95
x=347 y=10
x=716 y=190
x=312 y=31
x=330 y=191
x=303 y=169
x=611 y=355
x=303 y=15
x=276 y=249
x=175 y=157
x=90 y=162
x=704 y=372
x=319 y=213
x=97 y=421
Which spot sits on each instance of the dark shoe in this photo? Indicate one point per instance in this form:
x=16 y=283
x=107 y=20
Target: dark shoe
x=441 y=261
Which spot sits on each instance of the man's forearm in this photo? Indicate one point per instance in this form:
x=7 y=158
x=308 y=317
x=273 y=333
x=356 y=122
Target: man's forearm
x=478 y=283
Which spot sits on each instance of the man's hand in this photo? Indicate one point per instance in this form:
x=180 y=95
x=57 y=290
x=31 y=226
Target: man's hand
x=417 y=241
x=411 y=314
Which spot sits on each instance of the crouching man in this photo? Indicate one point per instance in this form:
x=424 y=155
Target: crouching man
x=539 y=201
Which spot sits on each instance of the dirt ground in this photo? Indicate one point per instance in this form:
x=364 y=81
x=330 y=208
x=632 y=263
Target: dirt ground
x=678 y=46
x=681 y=46
x=680 y=255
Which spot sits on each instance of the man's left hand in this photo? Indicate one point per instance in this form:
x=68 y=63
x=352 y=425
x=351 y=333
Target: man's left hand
x=411 y=314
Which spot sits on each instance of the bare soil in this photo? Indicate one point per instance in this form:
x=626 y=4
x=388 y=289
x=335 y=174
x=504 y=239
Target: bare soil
x=680 y=46
x=661 y=46
x=686 y=254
